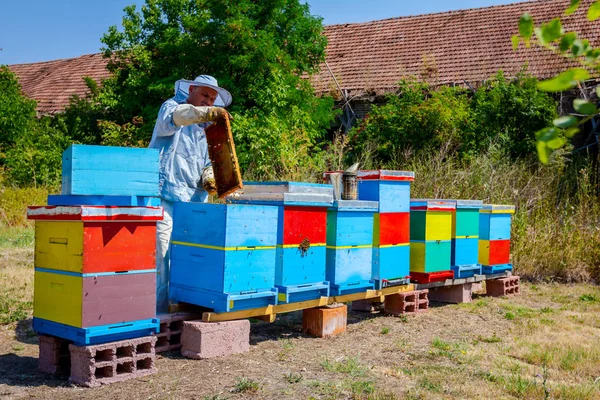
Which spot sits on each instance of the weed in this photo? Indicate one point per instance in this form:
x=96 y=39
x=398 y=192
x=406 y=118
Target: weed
x=245 y=385
x=429 y=385
x=215 y=397
x=13 y=309
x=509 y=316
x=519 y=386
x=288 y=344
x=361 y=389
x=403 y=318
x=385 y=330
x=292 y=377
x=490 y=339
x=588 y=297
x=348 y=366
x=546 y=310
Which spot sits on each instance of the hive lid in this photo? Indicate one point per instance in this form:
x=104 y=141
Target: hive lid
x=286 y=187
x=498 y=209
x=355 y=205
x=470 y=204
x=386 y=175
x=286 y=199
x=94 y=213
x=432 y=205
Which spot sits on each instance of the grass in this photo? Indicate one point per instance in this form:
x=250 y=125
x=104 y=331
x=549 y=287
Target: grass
x=350 y=366
x=245 y=385
x=292 y=377
x=385 y=330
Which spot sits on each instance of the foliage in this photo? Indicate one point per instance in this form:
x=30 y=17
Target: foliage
x=257 y=50
x=551 y=35
x=17 y=113
x=423 y=120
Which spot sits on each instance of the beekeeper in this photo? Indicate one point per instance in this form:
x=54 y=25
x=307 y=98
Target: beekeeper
x=185 y=171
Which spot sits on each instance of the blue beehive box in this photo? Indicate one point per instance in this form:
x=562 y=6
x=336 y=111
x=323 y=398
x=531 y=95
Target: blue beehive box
x=495 y=221
x=465 y=238
x=223 y=256
x=107 y=170
x=301 y=231
x=391 y=265
x=350 y=246
x=390 y=188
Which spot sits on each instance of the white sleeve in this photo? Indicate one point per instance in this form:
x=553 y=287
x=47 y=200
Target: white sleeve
x=187 y=114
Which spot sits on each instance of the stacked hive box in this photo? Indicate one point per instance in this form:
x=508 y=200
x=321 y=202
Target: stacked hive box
x=95 y=265
x=301 y=232
x=391 y=231
x=465 y=238
x=430 y=240
x=223 y=255
x=494 y=238
x=350 y=246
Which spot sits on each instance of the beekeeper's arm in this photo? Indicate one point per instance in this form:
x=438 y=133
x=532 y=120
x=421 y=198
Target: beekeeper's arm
x=187 y=114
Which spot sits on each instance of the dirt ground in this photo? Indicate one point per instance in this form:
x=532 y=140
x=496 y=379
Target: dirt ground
x=544 y=343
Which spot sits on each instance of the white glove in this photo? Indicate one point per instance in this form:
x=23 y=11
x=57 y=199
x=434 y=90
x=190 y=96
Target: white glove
x=208 y=180
x=187 y=114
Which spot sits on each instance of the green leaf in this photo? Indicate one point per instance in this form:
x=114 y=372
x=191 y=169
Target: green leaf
x=565 y=122
x=573 y=7
x=567 y=41
x=564 y=81
x=550 y=31
x=543 y=152
x=579 y=47
x=556 y=143
x=584 y=107
x=526 y=26
x=546 y=134
x=598 y=91
x=569 y=133
x=515 y=42
x=594 y=11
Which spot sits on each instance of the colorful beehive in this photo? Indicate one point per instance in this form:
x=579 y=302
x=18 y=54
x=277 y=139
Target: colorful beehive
x=301 y=232
x=108 y=170
x=430 y=238
x=350 y=246
x=494 y=237
x=465 y=238
x=391 y=189
x=95 y=272
x=223 y=255
x=391 y=231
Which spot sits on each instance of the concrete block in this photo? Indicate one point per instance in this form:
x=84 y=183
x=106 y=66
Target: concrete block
x=477 y=287
x=502 y=287
x=171 y=329
x=102 y=364
x=407 y=302
x=202 y=340
x=452 y=294
x=325 y=321
x=54 y=355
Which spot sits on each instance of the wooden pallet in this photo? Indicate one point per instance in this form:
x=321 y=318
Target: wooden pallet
x=461 y=281
x=269 y=313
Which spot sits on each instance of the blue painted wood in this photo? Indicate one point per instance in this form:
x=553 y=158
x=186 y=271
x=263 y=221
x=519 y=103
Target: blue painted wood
x=466 y=271
x=234 y=271
x=494 y=226
x=225 y=225
x=390 y=263
x=222 y=302
x=465 y=251
x=108 y=170
x=97 y=334
x=349 y=266
x=294 y=267
x=495 y=269
x=349 y=228
x=393 y=196
x=296 y=293
x=87 y=200
x=350 y=288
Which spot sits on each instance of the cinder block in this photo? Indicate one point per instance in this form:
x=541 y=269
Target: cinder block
x=477 y=287
x=171 y=329
x=503 y=286
x=452 y=294
x=406 y=303
x=102 y=364
x=202 y=340
x=325 y=321
x=54 y=355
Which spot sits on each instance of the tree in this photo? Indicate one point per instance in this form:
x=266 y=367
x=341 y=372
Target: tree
x=552 y=36
x=259 y=50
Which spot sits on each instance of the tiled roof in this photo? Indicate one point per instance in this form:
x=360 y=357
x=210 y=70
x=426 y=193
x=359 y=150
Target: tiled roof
x=442 y=48
x=52 y=83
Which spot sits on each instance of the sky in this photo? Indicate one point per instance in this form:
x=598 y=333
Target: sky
x=42 y=30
